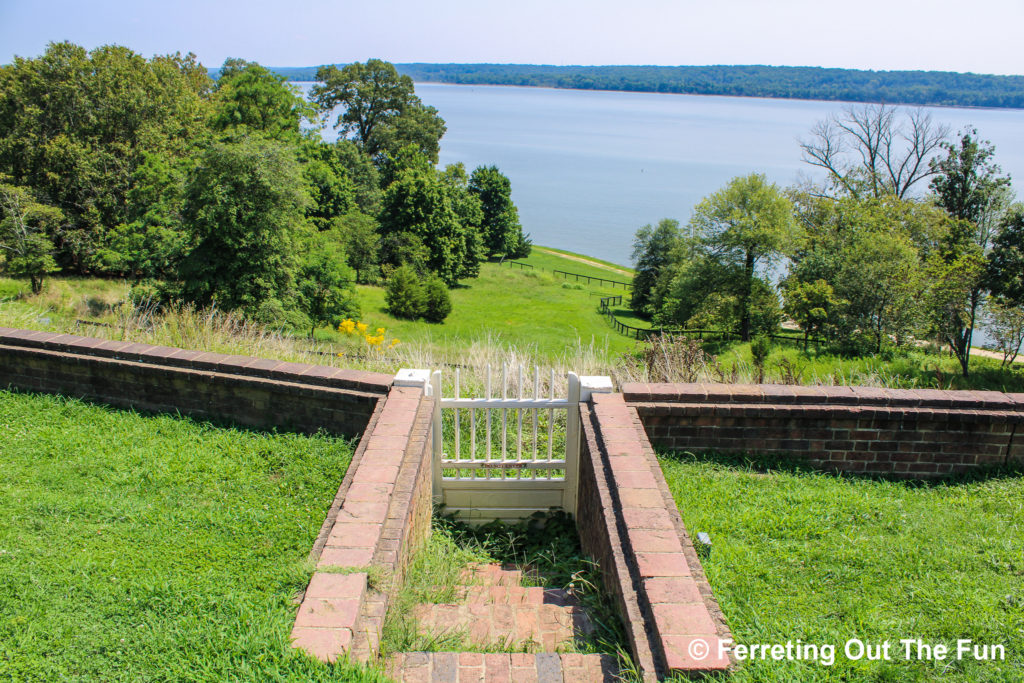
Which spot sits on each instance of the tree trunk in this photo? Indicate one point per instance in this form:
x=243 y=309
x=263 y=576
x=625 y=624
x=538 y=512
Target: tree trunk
x=748 y=286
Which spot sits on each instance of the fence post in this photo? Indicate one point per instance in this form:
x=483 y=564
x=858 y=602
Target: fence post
x=437 y=442
x=572 y=445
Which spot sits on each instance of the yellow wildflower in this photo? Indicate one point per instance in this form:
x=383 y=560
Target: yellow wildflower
x=362 y=327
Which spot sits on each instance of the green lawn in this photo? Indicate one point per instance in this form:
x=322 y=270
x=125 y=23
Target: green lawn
x=825 y=559
x=153 y=548
x=527 y=309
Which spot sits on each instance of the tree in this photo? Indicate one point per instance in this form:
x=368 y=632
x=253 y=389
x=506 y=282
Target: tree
x=468 y=208
x=437 y=302
x=652 y=252
x=419 y=202
x=502 y=230
x=381 y=110
x=331 y=191
x=954 y=290
x=1006 y=323
x=325 y=285
x=244 y=206
x=76 y=125
x=404 y=294
x=748 y=223
x=880 y=279
x=969 y=187
x=357 y=233
x=869 y=151
x=254 y=99
x=1005 y=274
x=24 y=225
x=810 y=305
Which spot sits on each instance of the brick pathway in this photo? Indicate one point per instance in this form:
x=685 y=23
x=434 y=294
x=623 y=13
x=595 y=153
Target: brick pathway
x=494 y=611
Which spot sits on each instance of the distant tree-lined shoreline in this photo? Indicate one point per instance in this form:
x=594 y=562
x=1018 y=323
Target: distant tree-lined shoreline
x=933 y=88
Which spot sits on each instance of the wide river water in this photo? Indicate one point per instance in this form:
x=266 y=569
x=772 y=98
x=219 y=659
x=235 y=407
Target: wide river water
x=588 y=168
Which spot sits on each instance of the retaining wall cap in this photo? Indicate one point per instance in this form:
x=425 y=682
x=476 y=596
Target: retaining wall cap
x=768 y=394
x=213 y=362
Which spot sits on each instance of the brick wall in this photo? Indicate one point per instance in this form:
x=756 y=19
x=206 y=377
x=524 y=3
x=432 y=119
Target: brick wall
x=253 y=392
x=629 y=523
x=920 y=433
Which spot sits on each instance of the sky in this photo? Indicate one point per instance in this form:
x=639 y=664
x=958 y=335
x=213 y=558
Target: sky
x=982 y=36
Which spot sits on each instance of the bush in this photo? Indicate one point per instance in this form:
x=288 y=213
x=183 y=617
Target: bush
x=405 y=295
x=438 y=302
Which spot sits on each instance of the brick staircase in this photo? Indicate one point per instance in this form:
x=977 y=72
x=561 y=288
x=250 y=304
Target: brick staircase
x=494 y=611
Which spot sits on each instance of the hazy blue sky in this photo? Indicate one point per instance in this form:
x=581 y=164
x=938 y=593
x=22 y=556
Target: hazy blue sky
x=959 y=35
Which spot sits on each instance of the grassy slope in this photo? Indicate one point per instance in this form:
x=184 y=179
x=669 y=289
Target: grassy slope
x=151 y=548
x=524 y=308
x=824 y=559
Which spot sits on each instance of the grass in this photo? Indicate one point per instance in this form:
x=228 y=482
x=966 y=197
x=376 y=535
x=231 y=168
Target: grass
x=825 y=559
x=506 y=316
x=140 y=548
x=904 y=369
x=526 y=309
x=559 y=259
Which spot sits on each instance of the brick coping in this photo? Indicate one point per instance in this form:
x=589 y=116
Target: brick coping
x=755 y=394
x=298 y=373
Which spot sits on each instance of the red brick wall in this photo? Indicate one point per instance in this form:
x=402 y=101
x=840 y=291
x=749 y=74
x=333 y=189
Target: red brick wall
x=919 y=433
x=629 y=523
x=249 y=391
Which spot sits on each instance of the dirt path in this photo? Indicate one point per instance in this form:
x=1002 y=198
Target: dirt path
x=975 y=351
x=582 y=259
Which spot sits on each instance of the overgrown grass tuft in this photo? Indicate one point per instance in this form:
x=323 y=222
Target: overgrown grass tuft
x=825 y=559
x=140 y=548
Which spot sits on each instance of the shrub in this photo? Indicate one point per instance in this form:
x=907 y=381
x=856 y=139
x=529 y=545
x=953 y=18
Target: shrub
x=438 y=302
x=404 y=295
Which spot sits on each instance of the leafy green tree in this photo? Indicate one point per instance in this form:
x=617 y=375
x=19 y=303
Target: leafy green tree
x=75 y=126
x=437 y=302
x=419 y=203
x=1006 y=260
x=357 y=234
x=252 y=98
x=468 y=207
x=968 y=185
x=24 y=226
x=652 y=252
x=502 y=230
x=153 y=242
x=365 y=178
x=404 y=294
x=244 y=205
x=325 y=285
x=749 y=223
x=881 y=281
x=380 y=108
x=810 y=305
x=1006 y=324
x=331 y=191
x=954 y=277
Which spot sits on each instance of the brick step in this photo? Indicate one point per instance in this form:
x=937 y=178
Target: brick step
x=545 y=626
x=461 y=667
x=512 y=595
x=493 y=575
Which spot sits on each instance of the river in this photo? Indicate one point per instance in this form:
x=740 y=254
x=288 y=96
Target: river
x=590 y=167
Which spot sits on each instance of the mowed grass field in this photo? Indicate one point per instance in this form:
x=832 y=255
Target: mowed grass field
x=533 y=310
x=825 y=559
x=138 y=548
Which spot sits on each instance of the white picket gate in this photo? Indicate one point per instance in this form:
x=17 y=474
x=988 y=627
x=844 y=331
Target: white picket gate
x=506 y=457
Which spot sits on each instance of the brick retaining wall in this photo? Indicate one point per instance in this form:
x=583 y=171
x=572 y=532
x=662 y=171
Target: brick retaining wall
x=253 y=392
x=919 y=433
x=629 y=522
